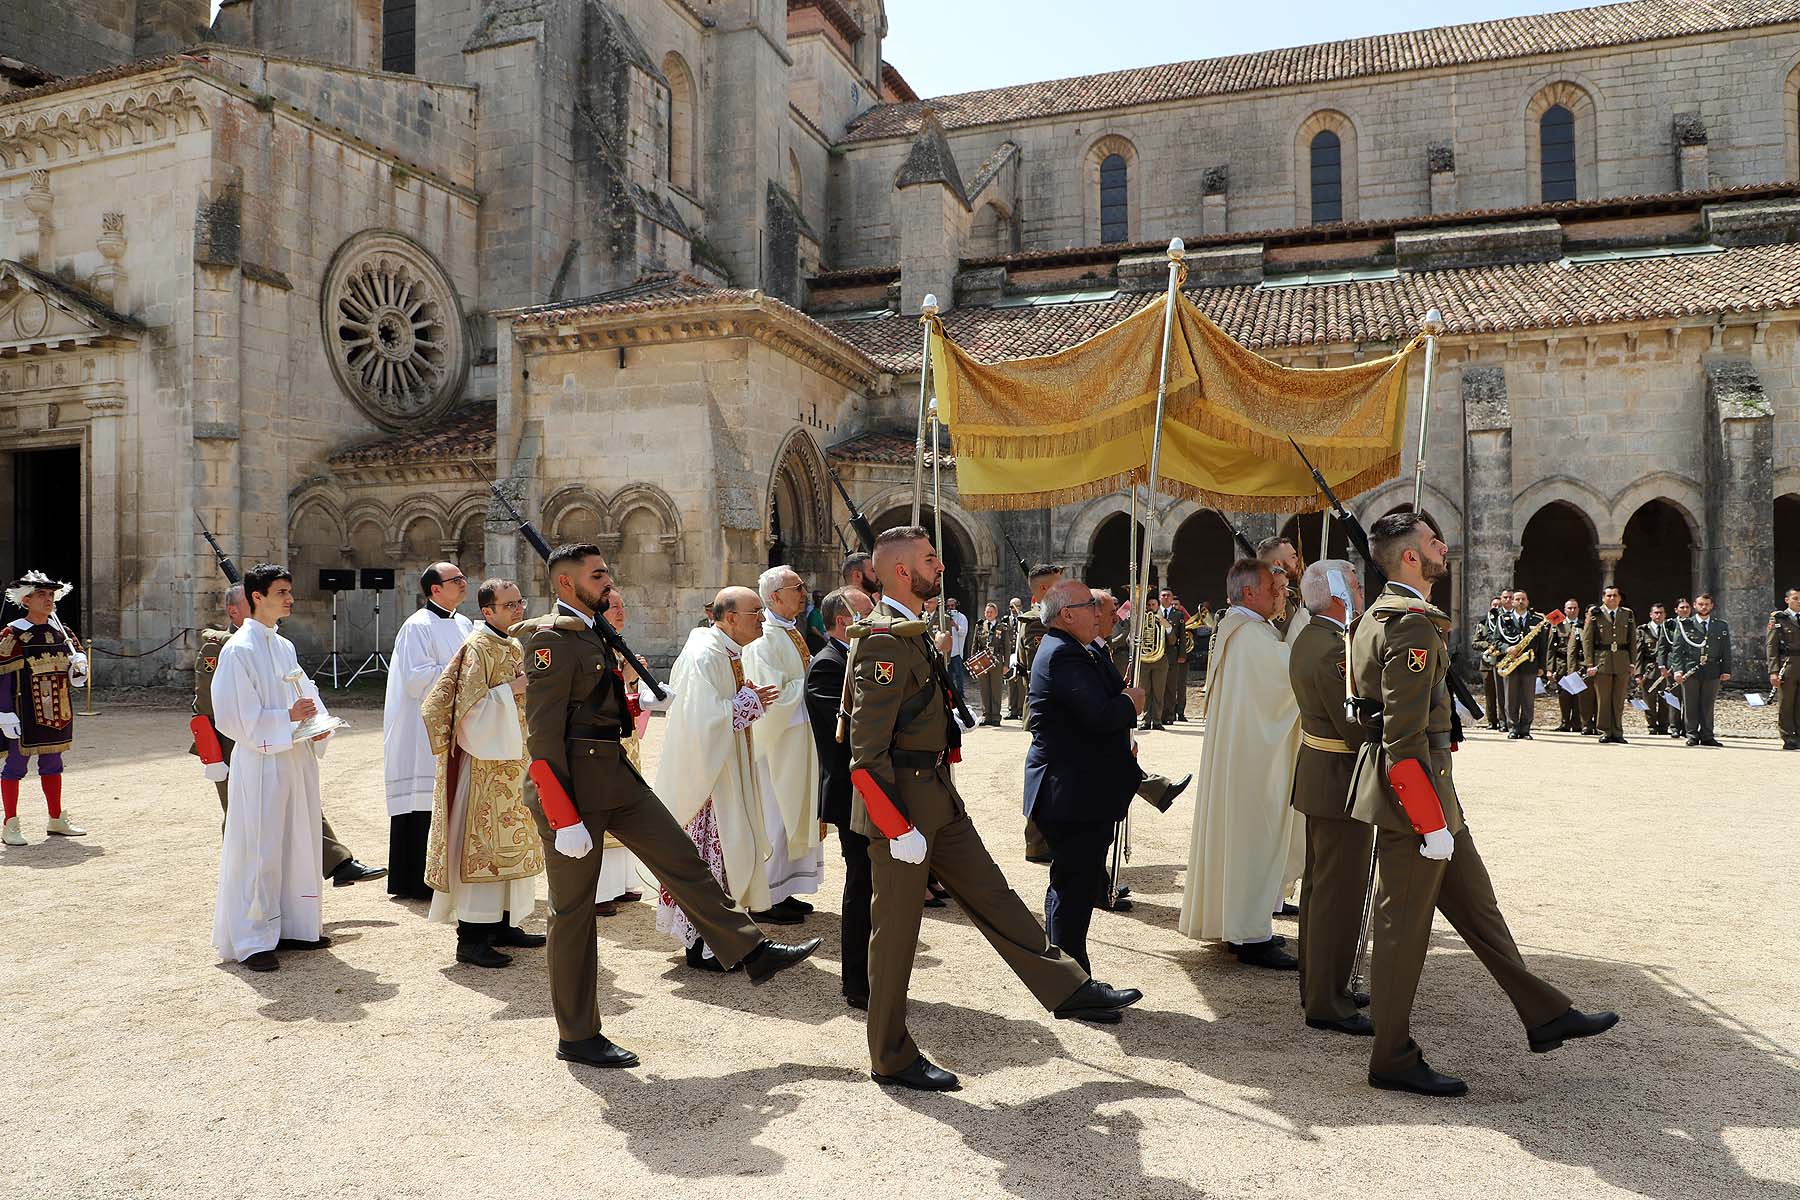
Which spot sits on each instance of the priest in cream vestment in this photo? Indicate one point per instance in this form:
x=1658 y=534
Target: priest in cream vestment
x=1247 y=843
x=708 y=774
x=484 y=853
x=784 y=742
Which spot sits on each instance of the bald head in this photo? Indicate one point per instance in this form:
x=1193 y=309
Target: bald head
x=739 y=612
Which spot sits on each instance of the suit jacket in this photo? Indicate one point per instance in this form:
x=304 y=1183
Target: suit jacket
x=1690 y=645
x=824 y=695
x=1080 y=766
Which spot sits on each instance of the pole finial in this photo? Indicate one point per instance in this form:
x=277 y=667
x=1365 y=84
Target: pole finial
x=1177 y=248
x=1434 y=322
x=931 y=304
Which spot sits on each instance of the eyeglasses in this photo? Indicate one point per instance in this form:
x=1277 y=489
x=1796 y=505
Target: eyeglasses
x=792 y=587
x=510 y=604
x=453 y=579
x=1089 y=603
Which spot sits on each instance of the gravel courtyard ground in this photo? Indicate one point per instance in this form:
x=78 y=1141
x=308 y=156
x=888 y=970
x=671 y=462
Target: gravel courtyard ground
x=1648 y=878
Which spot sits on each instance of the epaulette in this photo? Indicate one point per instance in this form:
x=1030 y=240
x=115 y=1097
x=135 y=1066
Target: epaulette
x=884 y=622
x=561 y=622
x=215 y=635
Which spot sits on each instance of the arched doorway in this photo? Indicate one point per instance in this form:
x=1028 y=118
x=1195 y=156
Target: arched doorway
x=1787 y=546
x=1658 y=564
x=1304 y=529
x=1109 y=555
x=958 y=553
x=1557 y=558
x=1204 y=552
x=799 y=525
x=1443 y=592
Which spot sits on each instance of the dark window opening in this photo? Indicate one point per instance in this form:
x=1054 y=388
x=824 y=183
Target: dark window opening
x=1114 y=218
x=1556 y=153
x=1327 y=178
x=398 y=43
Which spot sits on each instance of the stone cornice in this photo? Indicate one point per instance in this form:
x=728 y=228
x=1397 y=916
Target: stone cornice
x=447 y=470
x=108 y=114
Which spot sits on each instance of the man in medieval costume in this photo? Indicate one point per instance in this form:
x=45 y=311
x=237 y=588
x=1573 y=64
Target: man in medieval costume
x=41 y=665
x=484 y=855
x=783 y=741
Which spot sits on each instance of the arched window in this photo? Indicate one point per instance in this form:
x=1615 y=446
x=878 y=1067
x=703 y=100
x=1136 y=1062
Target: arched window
x=1115 y=222
x=679 y=117
x=795 y=183
x=1327 y=179
x=1556 y=153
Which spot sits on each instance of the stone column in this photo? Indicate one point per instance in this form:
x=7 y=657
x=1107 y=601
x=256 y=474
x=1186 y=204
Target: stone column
x=1740 y=535
x=109 y=279
x=40 y=202
x=1487 y=490
x=106 y=416
x=1609 y=567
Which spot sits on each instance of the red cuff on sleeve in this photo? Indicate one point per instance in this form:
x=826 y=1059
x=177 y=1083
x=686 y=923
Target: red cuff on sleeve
x=632 y=707
x=559 y=810
x=1412 y=784
x=887 y=818
x=206 y=741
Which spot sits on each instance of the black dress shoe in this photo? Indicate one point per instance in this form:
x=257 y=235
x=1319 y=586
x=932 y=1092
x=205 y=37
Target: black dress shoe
x=262 y=960
x=770 y=957
x=1094 y=1001
x=350 y=871
x=923 y=1076
x=1512 y=735
x=1267 y=954
x=936 y=902
x=1042 y=860
x=318 y=943
x=597 y=1051
x=1286 y=910
x=1356 y=1025
x=697 y=959
x=1175 y=789
x=1420 y=1080
x=1360 y=999
x=798 y=905
x=512 y=935
x=1693 y=741
x=1572 y=1024
x=481 y=954
x=1713 y=742
x=1526 y=735
x=857 y=1000
x=777 y=916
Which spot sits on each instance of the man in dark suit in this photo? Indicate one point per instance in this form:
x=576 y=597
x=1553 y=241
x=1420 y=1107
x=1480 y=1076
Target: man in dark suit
x=1080 y=772
x=824 y=696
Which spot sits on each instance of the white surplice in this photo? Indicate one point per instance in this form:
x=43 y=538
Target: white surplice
x=784 y=744
x=269 y=865
x=705 y=757
x=422 y=649
x=1245 y=833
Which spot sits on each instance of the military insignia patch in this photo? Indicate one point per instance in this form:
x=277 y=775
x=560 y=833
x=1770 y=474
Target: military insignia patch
x=884 y=672
x=209 y=665
x=540 y=658
x=1415 y=660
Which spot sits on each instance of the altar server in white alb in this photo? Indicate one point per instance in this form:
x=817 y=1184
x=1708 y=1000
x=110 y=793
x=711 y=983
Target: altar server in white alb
x=269 y=866
x=784 y=741
x=426 y=643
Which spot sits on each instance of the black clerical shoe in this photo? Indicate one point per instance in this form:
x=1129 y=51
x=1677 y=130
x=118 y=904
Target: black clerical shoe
x=798 y=905
x=1267 y=954
x=1693 y=741
x=1713 y=742
x=923 y=1076
x=1360 y=999
x=1042 y=860
x=1096 y=1002
x=512 y=935
x=350 y=871
x=1420 y=1080
x=932 y=901
x=262 y=960
x=697 y=959
x=1356 y=1025
x=777 y=916
x=1572 y=1024
x=597 y=1051
x=318 y=943
x=1167 y=801
x=857 y=1000
x=770 y=957
x=1286 y=910
x=481 y=954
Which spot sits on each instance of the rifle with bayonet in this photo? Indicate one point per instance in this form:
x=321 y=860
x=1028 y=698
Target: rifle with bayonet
x=1244 y=543
x=602 y=626
x=1359 y=537
x=865 y=533
x=231 y=572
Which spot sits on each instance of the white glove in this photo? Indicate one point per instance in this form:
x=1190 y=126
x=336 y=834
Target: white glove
x=647 y=699
x=909 y=847
x=9 y=725
x=574 y=841
x=218 y=772
x=1438 y=845
x=78 y=669
x=961 y=724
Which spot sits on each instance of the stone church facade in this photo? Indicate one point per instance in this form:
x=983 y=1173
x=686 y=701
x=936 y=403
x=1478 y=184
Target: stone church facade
x=316 y=270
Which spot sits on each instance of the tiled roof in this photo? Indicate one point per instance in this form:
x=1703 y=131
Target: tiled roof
x=69 y=83
x=1325 y=62
x=460 y=434
x=1512 y=298
x=884 y=449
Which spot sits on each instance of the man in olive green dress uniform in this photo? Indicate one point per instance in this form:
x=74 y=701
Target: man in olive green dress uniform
x=1609 y=640
x=1647 y=671
x=1782 y=648
x=1700 y=659
x=1044 y=576
x=1404 y=786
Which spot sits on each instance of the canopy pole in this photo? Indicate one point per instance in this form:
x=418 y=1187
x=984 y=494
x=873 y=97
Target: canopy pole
x=927 y=317
x=1141 y=591
x=1434 y=325
x=937 y=513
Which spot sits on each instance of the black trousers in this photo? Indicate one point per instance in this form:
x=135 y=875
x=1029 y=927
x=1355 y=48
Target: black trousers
x=1077 y=865
x=408 y=835
x=859 y=888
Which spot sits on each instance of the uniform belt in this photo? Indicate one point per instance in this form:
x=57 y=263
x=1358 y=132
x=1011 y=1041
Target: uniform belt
x=1439 y=741
x=598 y=733
x=1329 y=745
x=917 y=760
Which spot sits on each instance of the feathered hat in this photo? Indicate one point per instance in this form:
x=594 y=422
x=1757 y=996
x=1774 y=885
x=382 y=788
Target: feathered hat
x=30 y=582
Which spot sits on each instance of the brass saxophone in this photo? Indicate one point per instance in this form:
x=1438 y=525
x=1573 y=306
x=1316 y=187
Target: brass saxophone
x=1509 y=662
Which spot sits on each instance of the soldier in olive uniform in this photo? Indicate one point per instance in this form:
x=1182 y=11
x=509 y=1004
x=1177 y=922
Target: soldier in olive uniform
x=1608 y=641
x=1404 y=786
x=902 y=744
x=1015 y=682
x=1484 y=642
x=1700 y=658
x=1563 y=646
x=1337 y=845
x=581 y=787
x=989 y=637
x=1044 y=576
x=1782 y=648
x=339 y=865
x=1647 y=670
